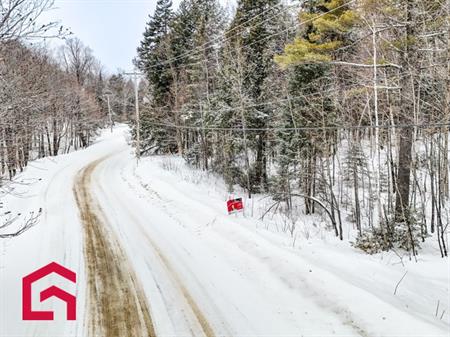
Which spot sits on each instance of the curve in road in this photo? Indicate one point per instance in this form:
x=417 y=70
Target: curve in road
x=116 y=303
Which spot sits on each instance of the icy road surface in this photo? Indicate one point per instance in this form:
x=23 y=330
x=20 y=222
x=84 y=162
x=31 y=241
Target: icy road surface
x=157 y=256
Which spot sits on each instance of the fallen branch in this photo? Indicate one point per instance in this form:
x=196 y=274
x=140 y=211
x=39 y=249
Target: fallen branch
x=29 y=223
x=396 y=287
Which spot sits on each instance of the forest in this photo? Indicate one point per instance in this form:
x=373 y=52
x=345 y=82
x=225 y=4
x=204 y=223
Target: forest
x=224 y=168
x=331 y=107
x=51 y=101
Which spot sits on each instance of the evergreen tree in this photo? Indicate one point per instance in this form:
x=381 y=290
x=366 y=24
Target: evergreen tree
x=122 y=98
x=252 y=38
x=153 y=55
x=201 y=76
x=153 y=52
x=192 y=67
x=328 y=27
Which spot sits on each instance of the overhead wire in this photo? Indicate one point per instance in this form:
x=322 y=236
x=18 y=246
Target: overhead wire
x=221 y=40
x=308 y=128
x=199 y=49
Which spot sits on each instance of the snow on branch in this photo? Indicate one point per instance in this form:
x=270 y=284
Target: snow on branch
x=30 y=221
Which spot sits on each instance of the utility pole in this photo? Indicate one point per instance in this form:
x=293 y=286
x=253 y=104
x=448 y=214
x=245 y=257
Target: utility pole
x=108 y=93
x=138 y=124
x=110 y=113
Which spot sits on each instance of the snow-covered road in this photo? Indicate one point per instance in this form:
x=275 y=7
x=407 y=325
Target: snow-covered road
x=156 y=255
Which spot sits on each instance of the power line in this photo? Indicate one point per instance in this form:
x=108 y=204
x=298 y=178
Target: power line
x=308 y=128
x=302 y=23
x=221 y=40
x=287 y=99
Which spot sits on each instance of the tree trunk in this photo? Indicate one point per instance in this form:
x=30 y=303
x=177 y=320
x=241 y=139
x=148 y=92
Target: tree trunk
x=407 y=109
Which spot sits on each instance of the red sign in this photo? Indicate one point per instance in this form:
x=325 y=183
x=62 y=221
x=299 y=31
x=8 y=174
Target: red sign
x=27 y=312
x=235 y=205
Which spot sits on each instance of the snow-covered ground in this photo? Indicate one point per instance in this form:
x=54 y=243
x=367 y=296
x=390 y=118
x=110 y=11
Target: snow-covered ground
x=203 y=272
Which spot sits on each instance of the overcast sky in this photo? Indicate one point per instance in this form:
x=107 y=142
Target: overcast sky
x=112 y=28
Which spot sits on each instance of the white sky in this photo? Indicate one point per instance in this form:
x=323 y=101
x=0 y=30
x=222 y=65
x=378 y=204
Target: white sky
x=111 y=28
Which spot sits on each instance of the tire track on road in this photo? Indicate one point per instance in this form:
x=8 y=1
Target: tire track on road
x=197 y=314
x=116 y=303
x=199 y=318
x=345 y=315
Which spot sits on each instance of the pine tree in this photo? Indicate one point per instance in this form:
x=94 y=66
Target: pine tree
x=122 y=97
x=153 y=52
x=153 y=55
x=202 y=75
x=252 y=38
x=328 y=27
x=192 y=65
